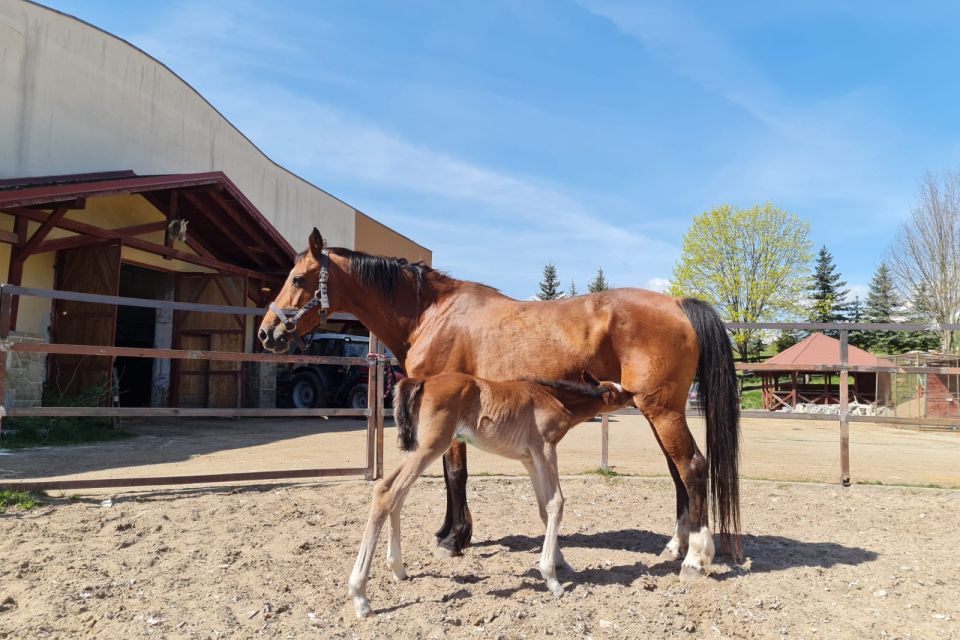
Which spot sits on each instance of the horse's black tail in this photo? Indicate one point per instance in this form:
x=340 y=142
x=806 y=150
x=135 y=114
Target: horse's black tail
x=721 y=402
x=406 y=397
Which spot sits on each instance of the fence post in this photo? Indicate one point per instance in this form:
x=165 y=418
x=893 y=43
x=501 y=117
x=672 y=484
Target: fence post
x=372 y=411
x=5 y=307
x=844 y=410
x=604 y=442
x=379 y=404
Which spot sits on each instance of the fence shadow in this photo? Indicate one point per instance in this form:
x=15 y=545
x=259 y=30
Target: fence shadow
x=170 y=440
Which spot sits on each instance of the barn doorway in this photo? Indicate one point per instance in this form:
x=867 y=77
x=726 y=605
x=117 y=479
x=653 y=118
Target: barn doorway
x=138 y=379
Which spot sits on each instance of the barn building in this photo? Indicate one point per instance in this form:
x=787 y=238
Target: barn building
x=117 y=177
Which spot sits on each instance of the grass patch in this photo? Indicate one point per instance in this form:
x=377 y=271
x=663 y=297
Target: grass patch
x=751 y=399
x=23 y=500
x=49 y=432
x=907 y=485
x=607 y=473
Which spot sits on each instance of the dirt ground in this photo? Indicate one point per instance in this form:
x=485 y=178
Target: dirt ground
x=822 y=562
x=272 y=561
x=795 y=450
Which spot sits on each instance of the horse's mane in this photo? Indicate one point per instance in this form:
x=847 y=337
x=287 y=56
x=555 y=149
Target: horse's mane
x=576 y=388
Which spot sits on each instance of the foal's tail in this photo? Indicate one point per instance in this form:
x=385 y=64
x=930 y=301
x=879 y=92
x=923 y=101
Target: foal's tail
x=721 y=402
x=406 y=396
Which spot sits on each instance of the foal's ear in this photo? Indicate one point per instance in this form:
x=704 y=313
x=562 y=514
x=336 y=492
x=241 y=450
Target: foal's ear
x=588 y=378
x=315 y=243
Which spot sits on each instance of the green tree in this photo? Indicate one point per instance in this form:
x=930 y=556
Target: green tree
x=828 y=296
x=749 y=263
x=786 y=339
x=550 y=285
x=856 y=313
x=573 y=290
x=920 y=311
x=882 y=306
x=599 y=283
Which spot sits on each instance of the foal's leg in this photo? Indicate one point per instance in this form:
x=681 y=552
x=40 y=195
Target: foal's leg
x=541 y=504
x=388 y=498
x=394 y=553
x=547 y=476
x=678 y=443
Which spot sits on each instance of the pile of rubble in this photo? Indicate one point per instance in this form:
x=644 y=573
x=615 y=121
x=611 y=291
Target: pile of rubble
x=854 y=409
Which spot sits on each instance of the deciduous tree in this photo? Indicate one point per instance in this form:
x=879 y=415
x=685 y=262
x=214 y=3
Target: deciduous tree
x=926 y=255
x=749 y=263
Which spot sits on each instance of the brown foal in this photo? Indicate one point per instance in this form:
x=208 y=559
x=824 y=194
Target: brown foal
x=650 y=343
x=522 y=420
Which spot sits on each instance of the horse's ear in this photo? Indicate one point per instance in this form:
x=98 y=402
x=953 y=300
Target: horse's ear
x=588 y=378
x=315 y=243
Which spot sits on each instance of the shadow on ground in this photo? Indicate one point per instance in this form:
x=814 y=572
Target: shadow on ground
x=165 y=440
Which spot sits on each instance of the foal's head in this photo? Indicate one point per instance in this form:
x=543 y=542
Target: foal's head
x=606 y=395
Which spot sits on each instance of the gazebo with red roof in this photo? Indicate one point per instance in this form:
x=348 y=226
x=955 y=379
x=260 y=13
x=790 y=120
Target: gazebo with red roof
x=786 y=376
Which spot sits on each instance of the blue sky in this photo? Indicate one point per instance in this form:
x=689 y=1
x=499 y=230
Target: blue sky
x=508 y=133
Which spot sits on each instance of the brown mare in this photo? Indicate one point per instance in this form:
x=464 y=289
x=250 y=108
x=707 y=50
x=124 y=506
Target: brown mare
x=651 y=343
x=522 y=420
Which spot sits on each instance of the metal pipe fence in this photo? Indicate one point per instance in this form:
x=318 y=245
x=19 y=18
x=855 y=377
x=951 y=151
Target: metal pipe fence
x=844 y=370
x=374 y=413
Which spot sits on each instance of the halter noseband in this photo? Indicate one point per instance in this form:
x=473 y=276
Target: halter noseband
x=320 y=298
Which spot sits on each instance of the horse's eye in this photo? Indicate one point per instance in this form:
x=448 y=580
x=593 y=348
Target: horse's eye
x=297 y=281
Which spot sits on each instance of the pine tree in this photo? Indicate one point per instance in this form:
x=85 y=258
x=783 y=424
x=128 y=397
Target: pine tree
x=550 y=285
x=828 y=293
x=599 y=283
x=919 y=312
x=786 y=339
x=573 y=289
x=882 y=304
x=856 y=314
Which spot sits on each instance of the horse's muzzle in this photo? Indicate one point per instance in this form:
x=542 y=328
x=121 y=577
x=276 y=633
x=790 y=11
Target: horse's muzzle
x=274 y=339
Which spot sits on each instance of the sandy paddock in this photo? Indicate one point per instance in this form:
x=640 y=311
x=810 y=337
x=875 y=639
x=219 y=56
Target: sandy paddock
x=823 y=562
x=273 y=561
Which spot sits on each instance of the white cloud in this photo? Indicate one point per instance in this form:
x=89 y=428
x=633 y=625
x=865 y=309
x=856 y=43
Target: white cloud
x=658 y=284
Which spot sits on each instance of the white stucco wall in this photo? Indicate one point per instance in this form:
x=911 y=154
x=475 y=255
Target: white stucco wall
x=74 y=99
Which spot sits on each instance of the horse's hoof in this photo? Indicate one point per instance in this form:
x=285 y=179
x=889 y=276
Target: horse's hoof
x=669 y=555
x=444 y=552
x=400 y=575
x=688 y=573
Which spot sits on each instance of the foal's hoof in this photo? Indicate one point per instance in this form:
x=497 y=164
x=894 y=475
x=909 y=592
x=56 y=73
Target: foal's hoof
x=555 y=588
x=688 y=573
x=362 y=606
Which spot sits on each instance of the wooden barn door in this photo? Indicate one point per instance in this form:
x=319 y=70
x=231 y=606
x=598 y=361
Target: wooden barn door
x=202 y=383
x=91 y=269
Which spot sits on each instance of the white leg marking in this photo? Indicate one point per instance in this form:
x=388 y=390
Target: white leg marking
x=678 y=543
x=394 y=554
x=700 y=554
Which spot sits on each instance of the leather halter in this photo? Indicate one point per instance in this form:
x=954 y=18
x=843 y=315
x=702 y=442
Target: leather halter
x=320 y=298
